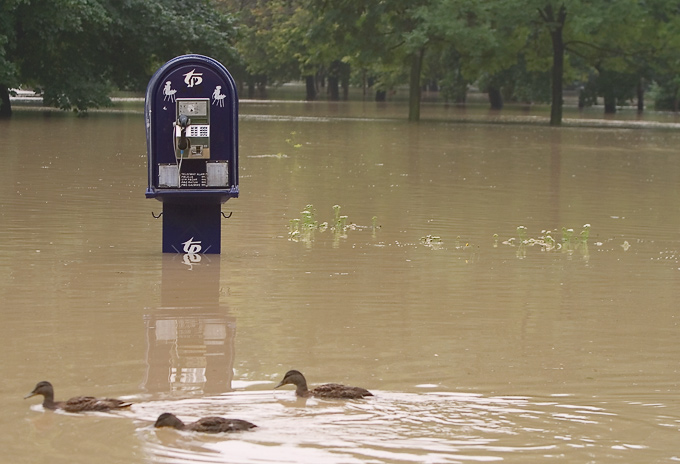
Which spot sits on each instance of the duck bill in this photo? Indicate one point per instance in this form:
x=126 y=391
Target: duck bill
x=30 y=395
x=281 y=384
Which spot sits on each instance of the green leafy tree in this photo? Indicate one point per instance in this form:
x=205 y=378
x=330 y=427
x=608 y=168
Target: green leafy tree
x=663 y=28
x=606 y=36
x=270 y=42
x=74 y=52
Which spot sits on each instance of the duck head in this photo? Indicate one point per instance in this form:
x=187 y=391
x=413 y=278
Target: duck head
x=169 y=420
x=43 y=388
x=292 y=377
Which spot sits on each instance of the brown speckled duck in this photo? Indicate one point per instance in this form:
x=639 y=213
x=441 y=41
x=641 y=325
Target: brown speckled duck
x=329 y=390
x=77 y=403
x=205 y=424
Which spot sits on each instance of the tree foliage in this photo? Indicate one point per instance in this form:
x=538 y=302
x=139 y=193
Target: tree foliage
x=75 y=51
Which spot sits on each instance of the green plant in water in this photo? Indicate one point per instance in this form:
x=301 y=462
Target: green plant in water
x=294 y=231
x=432 y=241
x=571 y=242
x=291 y=142
x=340 y=222
x=308 y=222
x=339 y=226
x=522 y=233
x=567 y=234
x=303 y=229
x=568 y=244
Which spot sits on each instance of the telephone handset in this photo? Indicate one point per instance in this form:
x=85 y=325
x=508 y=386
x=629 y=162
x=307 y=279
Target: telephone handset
x=183 y=142
x=192 y=129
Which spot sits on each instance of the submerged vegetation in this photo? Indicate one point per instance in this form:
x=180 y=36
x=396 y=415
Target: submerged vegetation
x=435 y=242
x=432 y=241
x=463 y=248
x=303 y=229
x=289 y=141
x=565 y=241
x=569 y=242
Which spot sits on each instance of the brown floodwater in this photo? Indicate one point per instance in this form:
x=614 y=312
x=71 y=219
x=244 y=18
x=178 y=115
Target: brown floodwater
x=507 y=291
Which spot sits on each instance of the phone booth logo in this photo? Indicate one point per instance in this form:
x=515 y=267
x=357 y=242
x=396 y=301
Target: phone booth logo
x=193 y=78
x=191 y=252
x=192 y=247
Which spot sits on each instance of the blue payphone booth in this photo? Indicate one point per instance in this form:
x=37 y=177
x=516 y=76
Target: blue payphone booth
x=191 y=115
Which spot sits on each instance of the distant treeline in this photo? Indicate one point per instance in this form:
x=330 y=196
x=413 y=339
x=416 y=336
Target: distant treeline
x=75 y=52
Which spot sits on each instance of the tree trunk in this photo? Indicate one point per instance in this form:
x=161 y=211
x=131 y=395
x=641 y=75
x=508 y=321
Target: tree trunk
x=344 y=80
x=310 y=85
x=609 y=103
x=414 y=85
x=5 y=104
x=262 y=88
x=495 y=98
x=641 y=95
x=333 y=88
x=556 y=26
x=334 y=81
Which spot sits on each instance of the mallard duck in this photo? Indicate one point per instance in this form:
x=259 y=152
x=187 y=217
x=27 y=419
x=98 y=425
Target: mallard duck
x=205 y=424
x=329 y=390
x=77 y=403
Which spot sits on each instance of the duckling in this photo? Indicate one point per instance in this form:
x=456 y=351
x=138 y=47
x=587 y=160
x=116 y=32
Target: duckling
x=329 y=390
x=205 y=424
x=77 y=403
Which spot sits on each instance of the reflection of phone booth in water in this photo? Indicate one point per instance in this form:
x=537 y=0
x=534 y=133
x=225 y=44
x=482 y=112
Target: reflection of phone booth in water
x=191 y=115
x=190 y=335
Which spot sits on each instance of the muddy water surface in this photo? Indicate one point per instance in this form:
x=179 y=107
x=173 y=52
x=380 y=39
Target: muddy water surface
x=480 y=341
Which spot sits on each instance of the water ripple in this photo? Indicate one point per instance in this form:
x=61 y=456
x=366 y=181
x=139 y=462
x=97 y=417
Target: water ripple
x=392 y=427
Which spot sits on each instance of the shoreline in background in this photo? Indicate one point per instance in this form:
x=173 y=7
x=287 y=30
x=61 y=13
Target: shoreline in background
x=475 y=111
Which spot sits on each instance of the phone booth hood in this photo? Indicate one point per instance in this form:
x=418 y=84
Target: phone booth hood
x=191 y=115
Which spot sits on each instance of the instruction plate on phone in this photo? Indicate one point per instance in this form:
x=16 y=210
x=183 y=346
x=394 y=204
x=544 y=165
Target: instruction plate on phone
x=193 y=107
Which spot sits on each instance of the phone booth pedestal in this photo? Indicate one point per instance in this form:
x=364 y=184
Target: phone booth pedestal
x=199 y=224
x=191 y=113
